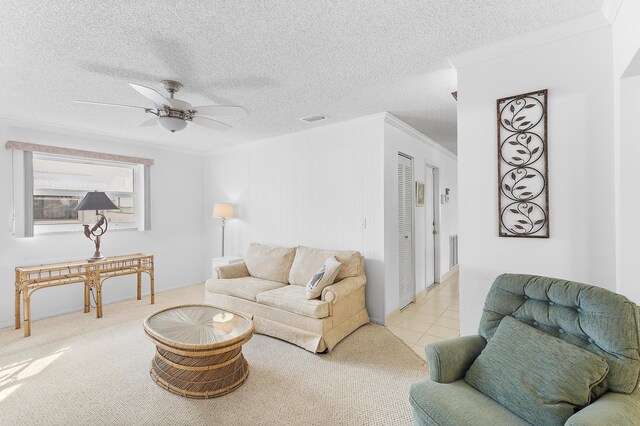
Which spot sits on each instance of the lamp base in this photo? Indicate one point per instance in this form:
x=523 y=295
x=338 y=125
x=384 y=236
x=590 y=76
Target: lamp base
x=96 y=259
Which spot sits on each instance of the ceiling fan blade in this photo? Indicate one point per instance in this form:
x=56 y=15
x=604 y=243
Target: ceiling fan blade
x=111 y=105
x=150 y=122
x=210 y=123
x=220 y=110
x=158 y=100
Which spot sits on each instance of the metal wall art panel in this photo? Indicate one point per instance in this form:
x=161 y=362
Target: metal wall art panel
x=523 y=187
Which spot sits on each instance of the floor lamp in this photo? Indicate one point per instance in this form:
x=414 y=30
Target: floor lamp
x=223 y=211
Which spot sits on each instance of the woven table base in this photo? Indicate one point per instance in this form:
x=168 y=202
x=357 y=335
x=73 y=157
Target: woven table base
x=199 y=376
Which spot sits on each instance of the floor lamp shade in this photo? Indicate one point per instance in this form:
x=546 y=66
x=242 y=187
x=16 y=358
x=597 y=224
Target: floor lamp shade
x=223 y=211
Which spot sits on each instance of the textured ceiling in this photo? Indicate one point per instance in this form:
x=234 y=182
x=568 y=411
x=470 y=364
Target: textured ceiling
x=280 y=60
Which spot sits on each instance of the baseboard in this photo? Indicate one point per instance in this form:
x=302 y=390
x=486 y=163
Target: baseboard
x=376 y=321
x=449 y=273
x=391 y=316
x=421 y=294
x=79 y=308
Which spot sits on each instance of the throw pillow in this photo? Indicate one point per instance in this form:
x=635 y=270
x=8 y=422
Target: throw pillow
x=537 y=376
x=325 y=276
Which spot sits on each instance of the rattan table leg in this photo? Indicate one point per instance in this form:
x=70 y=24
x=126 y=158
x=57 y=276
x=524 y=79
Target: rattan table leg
x=139 y=285
x=99 y=300
x=87 y=304
x=17 y=307
x=151 y=285
x=27 y=312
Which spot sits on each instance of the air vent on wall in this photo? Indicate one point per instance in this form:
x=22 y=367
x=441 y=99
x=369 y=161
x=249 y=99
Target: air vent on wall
x=314 y=118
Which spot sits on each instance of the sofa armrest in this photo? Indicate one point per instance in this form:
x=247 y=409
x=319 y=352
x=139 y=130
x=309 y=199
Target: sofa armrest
x=341 y=289
x=234 y=270
x=610 y=409
x=450 y=359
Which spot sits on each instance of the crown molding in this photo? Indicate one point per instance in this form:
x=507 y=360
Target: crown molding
x=383 y=117
x=97 y=136
x=401 y=125
x=610 y=9
x=585 y=23
x=230 y=148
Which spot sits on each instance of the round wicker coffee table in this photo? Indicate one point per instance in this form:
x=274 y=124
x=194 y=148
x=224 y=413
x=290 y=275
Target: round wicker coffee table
x=199 y=350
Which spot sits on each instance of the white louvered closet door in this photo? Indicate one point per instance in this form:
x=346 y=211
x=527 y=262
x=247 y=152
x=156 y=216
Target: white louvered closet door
x=405 y=230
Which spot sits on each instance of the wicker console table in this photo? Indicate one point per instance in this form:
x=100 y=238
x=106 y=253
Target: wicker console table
x=92 y=274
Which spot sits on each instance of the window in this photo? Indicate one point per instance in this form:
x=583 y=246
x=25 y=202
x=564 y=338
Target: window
x=60 y=183
x=49 y=182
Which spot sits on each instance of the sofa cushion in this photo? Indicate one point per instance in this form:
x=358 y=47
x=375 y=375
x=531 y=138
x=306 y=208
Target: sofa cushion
x=292 y=298
x=539 y=377
x=269 y=263
x=458 y=404
x=325 y=276
x=308 y=260
x=245 y=288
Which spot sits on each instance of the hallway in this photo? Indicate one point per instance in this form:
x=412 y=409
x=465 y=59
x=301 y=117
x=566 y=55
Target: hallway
x=434 y=317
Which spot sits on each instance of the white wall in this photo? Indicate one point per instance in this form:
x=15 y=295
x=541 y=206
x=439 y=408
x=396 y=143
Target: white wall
x=315 y=188
x=578 y=72
x=309 y=188
x=626 y=57
x=176 y=238
x=398 y=138
x=629 y=185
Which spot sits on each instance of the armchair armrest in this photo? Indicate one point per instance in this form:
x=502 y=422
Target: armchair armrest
x=610 y=409
x=342 y=289
x=450 y=359
x=234 y=270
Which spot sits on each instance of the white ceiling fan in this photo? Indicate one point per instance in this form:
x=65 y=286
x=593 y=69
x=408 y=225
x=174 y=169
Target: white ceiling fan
x=173 y=114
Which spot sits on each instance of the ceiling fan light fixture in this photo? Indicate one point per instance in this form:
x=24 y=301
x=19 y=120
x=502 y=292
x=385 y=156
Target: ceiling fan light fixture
x=172 y=114
x=172 y=124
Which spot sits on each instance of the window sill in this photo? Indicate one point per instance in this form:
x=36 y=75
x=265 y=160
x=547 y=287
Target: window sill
x=77 y=229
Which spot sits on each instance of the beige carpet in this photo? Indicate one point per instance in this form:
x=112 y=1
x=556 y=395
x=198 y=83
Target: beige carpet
x=76 y=369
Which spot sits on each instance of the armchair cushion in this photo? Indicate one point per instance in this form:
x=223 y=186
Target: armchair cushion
x=610 y=409
x=450 y=359
x=457 y=403
x=541 y=378
x=592 y=318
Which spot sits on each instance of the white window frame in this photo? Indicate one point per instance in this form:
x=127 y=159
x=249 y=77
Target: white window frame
x=23 y=193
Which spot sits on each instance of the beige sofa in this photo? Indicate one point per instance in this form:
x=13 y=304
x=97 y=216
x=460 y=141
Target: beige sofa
x=269 y=286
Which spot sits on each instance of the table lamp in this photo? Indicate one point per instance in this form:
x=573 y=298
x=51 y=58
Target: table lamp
x=223 y=211
x=96 y=201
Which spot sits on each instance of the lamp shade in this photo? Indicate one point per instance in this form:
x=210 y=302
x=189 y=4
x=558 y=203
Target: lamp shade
x=223 y=210
x=96 y=201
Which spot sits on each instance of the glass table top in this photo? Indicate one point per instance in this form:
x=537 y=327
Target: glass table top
x=197 y=325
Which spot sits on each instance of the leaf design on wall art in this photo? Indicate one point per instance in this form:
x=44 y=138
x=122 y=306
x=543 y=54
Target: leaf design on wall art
x=522 y=165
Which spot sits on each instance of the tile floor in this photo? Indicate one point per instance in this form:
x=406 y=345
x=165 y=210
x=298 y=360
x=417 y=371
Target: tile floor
x=434 y=317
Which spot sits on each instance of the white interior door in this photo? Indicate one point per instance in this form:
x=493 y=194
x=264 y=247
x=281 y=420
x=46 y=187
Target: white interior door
x=405 y=230
x=430 y=225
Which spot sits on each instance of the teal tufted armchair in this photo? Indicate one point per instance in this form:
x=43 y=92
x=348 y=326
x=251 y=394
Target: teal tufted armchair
x=592 y=318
